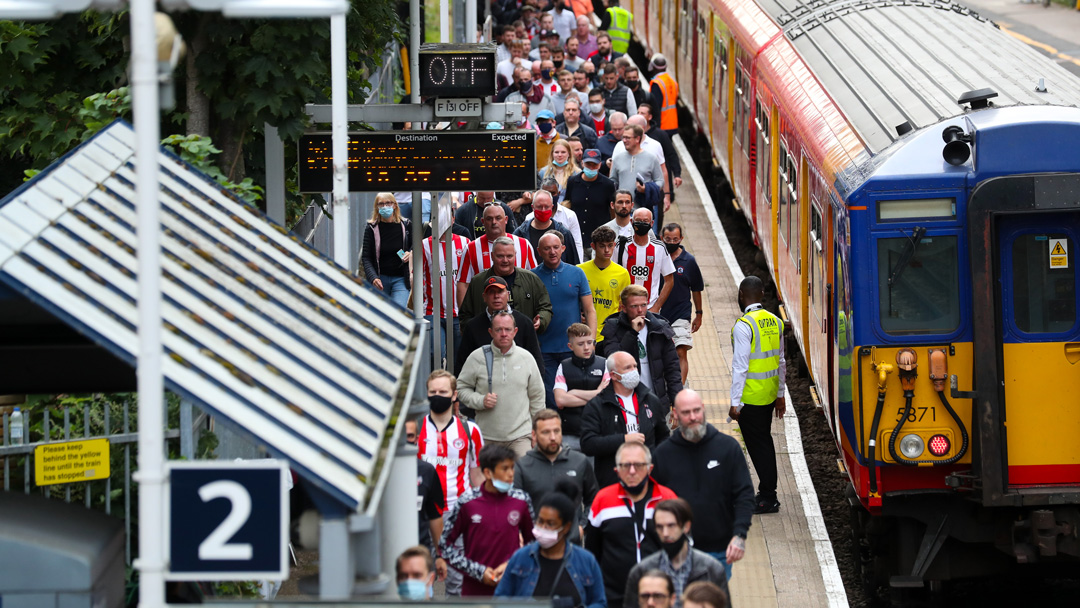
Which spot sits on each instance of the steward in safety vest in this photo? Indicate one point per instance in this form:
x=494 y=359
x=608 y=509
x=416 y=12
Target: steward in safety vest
x=757 y=385
x=617 y=23
x=665 y=94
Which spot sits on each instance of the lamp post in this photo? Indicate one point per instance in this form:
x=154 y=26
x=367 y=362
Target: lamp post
x=145 y=110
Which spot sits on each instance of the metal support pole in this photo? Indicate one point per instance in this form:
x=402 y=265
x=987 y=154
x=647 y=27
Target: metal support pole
x=470 y=21
x=451 y=297
x=336 y=570
x=187 y=430
x=275 y=175
x=444 y=20
x=417 y=197
x=340 y=126
x=397 y=513
x=150 y=383
x=437 y=250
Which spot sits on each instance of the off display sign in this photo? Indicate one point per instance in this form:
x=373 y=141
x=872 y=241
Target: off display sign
x=457 y=108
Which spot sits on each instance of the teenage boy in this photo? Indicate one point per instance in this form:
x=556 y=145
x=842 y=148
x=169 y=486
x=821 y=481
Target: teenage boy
x=579 y=378
x=492 y=520
x=606 y=278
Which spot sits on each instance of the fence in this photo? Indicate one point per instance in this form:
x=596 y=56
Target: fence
x=97 y=422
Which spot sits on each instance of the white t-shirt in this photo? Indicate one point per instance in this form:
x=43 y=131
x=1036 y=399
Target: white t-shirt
x=643 y=355
x=629 y=412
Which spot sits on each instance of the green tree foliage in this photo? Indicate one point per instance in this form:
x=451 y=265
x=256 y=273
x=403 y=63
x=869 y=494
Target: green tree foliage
x=239 y=74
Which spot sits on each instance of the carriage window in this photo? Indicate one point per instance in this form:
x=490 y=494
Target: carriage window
x=1044 y=284
x=918 y=283
x=720 y=84
x=740 y=94
x=782 y=198
x=793 y=207
x=764 y=159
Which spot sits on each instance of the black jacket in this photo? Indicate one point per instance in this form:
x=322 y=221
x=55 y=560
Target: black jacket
x=617 y=334
x=603 y=428
x=369 y=255
x=474 y=334
x=713 y=477
x=537 y=476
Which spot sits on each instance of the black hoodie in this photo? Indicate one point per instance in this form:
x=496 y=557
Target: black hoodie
x=713 y=477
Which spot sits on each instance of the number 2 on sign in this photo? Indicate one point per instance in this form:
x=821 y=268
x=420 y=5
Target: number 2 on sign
x=217 y=545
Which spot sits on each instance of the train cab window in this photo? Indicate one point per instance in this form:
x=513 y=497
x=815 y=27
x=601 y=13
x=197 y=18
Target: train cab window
x=1043 y=285
x=918 y=280
x=815 y=252
x=764 y=158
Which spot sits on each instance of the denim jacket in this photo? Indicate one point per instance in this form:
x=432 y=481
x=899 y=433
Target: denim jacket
x=523 y=571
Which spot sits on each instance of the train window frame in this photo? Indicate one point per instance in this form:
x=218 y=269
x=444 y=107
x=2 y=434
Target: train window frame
x=720 y=87
x=817 y=253
x=764 y=157
x=952 y=282
x=1009 y=276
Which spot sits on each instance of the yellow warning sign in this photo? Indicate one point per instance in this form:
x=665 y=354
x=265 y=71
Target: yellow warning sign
x=1059 y=253
x=71 y=461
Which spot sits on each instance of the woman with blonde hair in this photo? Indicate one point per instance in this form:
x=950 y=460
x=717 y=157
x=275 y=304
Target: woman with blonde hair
x=561 y=166
x=388 y=249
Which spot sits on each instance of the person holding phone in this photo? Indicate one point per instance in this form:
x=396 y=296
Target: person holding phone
x=388 y=249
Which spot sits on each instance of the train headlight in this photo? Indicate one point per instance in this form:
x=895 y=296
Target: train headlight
x=940 y=445
x=911 y=446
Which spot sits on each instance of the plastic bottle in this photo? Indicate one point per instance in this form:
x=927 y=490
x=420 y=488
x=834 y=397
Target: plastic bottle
x=16 y=426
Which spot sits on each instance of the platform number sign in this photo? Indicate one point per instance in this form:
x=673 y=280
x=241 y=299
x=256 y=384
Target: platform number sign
x=227 y=520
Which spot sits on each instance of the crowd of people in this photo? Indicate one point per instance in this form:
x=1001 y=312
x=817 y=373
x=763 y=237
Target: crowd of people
x=563 y=456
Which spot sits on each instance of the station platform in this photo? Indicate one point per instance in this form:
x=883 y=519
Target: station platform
x=789 y=559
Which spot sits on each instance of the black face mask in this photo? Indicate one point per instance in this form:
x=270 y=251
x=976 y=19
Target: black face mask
x=642 y=228
x=558 y=64
x=671 y=247
x=439 y=403
x=635 y=490
x=672 y=549
x=633 y=84
x=525 y=87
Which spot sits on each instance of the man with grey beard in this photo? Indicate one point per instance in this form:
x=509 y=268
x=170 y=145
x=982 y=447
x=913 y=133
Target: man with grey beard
x=707 y=469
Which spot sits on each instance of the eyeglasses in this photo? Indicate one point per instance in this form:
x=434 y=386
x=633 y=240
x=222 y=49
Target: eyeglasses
x=627 y=466
x=656 y=597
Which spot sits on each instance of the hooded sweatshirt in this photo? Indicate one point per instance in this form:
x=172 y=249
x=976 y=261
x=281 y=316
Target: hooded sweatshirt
x=713 y=477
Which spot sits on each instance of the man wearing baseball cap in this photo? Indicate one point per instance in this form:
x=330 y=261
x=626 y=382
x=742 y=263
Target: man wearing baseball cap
x=545 y=124
x=590 y=195
x=474 y=334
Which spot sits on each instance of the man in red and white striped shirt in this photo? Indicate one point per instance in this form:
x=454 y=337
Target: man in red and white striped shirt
x=477 y=256
x=452 y=247
x=647 y=260
x=449 y=442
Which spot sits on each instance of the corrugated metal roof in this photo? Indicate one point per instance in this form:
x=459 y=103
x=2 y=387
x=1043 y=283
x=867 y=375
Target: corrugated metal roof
x=887 y=62
x=259 y=328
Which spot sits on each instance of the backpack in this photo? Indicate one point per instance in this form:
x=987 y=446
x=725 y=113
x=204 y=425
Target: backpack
x=489 y=359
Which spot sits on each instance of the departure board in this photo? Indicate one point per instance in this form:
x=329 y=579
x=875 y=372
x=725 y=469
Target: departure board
x=438 y=161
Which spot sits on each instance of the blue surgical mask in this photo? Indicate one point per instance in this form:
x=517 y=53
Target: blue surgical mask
x=591 y=173
x=386 y=212
x=559 y=163
x=502 y=486
x=413 y=590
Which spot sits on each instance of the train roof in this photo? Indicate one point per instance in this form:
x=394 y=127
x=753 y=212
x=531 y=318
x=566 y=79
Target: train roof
x=888 y=62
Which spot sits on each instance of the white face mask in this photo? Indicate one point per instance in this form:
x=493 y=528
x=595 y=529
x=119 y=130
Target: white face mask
x=630 y=379
x=546 y=538
x=596 y=108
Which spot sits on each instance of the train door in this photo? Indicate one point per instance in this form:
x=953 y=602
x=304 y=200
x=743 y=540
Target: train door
x=818 y=289
x=1040 y=348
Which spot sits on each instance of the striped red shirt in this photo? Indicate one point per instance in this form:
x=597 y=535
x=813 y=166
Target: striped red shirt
x=451 y=451
x=458 y=246
x=477 y=257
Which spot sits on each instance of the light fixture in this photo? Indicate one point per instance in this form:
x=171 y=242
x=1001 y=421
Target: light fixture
x=34 y=10
x=911 y=446
x=266 y=8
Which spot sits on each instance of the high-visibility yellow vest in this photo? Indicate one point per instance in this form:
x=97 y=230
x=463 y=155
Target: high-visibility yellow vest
x=763 y=375
x=619 y=30
x=669 y=113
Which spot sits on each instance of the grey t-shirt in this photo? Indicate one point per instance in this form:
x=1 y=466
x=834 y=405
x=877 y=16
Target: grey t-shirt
x=625 y=169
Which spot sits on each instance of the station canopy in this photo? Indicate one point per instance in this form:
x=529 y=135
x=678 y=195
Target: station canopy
x=258 y=328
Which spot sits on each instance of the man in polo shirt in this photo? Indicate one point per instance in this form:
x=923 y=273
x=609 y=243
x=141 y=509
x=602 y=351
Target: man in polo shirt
x=688 y=285
x=571 y=300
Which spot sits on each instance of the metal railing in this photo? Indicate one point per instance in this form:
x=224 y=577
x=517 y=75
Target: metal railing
x=97 y=422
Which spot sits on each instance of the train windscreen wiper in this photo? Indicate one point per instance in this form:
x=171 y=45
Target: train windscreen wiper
x=905 y=255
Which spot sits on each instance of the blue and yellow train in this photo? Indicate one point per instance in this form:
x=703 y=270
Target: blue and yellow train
x=912 y=175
